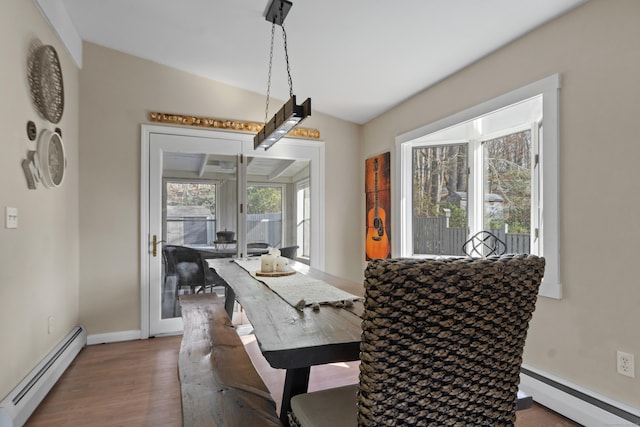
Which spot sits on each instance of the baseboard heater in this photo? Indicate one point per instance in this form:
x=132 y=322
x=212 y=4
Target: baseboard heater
x=20 y=403
x=574 y=402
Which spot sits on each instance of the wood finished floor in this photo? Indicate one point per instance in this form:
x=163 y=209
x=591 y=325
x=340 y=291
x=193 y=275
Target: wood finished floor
x=135 y=383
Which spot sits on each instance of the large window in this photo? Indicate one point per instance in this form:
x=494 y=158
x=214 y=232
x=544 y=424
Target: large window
x=490 y=168
x=443 y=201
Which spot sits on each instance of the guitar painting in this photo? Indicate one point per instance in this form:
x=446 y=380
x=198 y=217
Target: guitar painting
x=377 y=196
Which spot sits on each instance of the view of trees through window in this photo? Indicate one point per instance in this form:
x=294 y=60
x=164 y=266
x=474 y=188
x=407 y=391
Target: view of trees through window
x=263 y=200
x=507 y=183
x=491 y=168
x=191 y=194
x=440 y=183
x=440 y=194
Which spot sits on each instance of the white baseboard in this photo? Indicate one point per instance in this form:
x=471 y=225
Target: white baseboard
x=20 y=403
x=113 y=337
x=574 y=402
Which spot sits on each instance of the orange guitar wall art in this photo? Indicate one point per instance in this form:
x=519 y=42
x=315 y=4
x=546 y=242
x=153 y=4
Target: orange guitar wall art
x=377 y=243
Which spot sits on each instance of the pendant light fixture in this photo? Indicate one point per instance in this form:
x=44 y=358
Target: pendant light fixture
x=291 y=114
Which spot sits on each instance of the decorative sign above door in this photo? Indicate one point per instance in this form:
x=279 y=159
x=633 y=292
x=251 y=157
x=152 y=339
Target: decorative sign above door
x=225 y=124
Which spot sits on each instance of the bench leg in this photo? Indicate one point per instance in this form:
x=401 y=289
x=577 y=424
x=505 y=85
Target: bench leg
x=296 y=382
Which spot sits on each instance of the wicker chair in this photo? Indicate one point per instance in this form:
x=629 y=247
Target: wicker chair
x=442 y=345
x=289 y=252
x=191 y=271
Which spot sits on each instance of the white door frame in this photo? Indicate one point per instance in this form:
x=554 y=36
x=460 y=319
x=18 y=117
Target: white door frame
x=284 y=148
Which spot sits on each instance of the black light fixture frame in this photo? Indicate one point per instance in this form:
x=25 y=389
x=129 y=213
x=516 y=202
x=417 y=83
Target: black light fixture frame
x=288 y=117
x=291 y=114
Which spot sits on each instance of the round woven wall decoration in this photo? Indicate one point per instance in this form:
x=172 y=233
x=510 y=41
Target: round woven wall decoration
x=45 y=77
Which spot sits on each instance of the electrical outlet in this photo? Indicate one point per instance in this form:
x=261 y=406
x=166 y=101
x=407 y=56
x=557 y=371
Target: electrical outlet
x=626 y=364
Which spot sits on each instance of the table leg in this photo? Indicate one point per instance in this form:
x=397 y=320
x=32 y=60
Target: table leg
x=295 y=382
x=524 y=401
x=229 y=300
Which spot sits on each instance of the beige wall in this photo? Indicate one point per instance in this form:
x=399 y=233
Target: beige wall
x=117 y=92
x=78 y=261
x=39 y=259
x=596 y=50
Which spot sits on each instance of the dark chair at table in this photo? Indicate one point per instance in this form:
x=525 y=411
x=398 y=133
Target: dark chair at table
x=442 y=344
x=289 y=252
x=191 y=271
x=257 y=248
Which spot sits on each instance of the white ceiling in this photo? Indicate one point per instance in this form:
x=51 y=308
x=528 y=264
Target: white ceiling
x=354 y=58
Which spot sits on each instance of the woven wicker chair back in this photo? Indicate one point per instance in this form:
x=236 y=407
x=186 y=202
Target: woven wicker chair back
x=443 y=339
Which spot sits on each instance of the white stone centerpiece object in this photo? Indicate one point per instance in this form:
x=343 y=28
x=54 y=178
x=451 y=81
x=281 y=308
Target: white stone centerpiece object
x=281 y=264
x=269 y=261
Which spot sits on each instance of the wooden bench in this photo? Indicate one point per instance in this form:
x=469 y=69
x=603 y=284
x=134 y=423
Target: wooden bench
x=219 y=384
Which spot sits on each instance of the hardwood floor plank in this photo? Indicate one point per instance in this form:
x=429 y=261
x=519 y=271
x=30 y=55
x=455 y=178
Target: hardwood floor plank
x=132 y=383
x=136 y=383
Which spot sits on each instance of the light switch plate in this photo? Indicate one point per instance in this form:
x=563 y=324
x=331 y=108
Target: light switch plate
x=11 y=218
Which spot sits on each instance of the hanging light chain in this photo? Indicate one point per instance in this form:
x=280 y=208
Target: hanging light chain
x=266 y=111
x=286 y=55
x=290 y=115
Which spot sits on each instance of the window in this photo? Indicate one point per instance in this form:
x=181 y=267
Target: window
x=303 y=218
x=508 y=177
x=490 y=168
x=264 y=214
x=190 y=212
x=440 y=187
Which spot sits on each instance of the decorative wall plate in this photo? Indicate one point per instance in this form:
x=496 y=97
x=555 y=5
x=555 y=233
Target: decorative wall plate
x=50 y=159
x=32 y=130
x=45 y=77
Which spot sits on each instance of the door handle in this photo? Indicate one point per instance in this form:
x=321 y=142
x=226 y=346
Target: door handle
x=154 y=244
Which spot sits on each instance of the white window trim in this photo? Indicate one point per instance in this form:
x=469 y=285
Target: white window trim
x=549 y=244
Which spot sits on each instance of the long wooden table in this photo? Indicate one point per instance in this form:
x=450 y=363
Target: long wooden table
x=294 y=339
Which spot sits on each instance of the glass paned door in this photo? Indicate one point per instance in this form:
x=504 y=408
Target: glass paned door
x=193 y=212
x=272 y=199
x=194 y=186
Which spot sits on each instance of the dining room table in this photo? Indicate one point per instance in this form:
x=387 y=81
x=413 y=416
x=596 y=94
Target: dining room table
x=296 y=338
x=293 y=336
